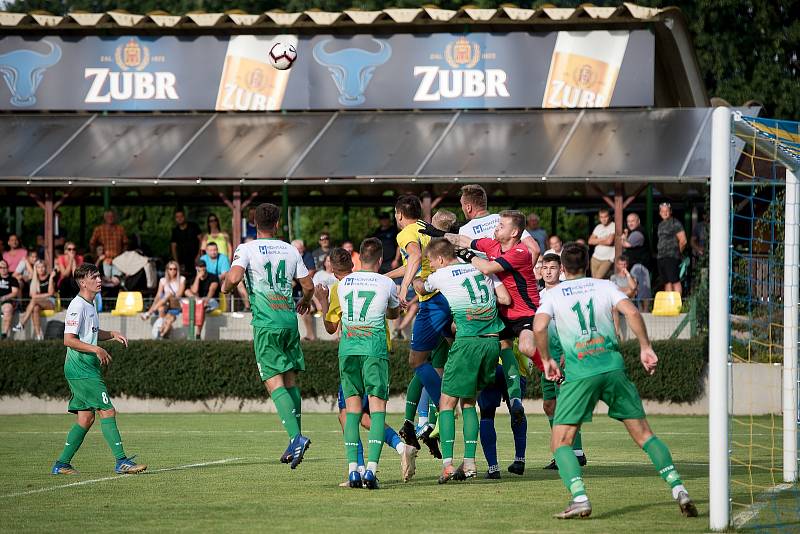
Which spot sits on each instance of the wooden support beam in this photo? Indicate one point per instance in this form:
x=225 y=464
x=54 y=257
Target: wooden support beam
x=607 y=199
x=630 y=199
x=619 y=223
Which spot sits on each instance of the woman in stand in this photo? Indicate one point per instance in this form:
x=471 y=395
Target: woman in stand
x=43 y=297
x=216 y=235
x=167 y=303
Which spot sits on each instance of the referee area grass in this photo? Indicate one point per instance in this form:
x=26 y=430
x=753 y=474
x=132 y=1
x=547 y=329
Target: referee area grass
x=220 y=472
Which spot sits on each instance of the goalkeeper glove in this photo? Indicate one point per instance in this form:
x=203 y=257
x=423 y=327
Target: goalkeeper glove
x=465 y=254
x=429 y=229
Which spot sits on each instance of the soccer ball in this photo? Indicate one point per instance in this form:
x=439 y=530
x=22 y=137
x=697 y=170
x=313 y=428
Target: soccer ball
x=282 y=56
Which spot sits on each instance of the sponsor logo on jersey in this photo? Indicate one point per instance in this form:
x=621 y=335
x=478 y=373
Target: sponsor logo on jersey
x=566 y=291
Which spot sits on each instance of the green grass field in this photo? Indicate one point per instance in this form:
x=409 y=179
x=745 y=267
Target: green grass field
x=221 y=473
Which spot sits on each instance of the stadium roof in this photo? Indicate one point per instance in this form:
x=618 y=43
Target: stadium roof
x=678 y=79
x=525 y=153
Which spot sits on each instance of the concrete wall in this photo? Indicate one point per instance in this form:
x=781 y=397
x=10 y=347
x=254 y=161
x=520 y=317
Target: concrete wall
x=237 y=326
x=756 y=391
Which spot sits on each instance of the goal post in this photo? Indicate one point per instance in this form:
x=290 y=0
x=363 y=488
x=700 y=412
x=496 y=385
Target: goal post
x=754 y=293
x=718 y=322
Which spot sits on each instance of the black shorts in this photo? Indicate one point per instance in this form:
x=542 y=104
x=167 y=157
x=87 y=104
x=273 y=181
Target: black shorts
x=669 y=270
x=515 y=326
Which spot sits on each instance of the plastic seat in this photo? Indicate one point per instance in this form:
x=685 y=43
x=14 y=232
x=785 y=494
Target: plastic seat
x=223 y=306
x=667 y=304
x=50 y=313
x=129 y=304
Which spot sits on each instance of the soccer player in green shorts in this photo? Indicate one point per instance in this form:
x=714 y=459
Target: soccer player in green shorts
x=551 y=271
x=82 y=370
x=268 y=265
x=473 y=357
x=582 y=310
x=366 y=299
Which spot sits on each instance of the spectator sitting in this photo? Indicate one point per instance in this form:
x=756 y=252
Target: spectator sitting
x=324 y=249
x=111 y=236
x=25 y=271
x=387 y=234
x=297 y=290
x=623 y=279
x=185 y=243
x=537 y=232
x=671 y=242
x=216 y=263
x=9 y=293
x=171 y=288
x=348 y=246
x=602 y=238
x=67 y=263
x=205 y=287
x=14 y=253
x=111 y=276
x=216 y=236
x=556 y=245
x=43 y=297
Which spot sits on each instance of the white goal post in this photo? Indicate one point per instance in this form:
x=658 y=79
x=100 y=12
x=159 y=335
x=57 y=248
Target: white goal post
x=719 y=318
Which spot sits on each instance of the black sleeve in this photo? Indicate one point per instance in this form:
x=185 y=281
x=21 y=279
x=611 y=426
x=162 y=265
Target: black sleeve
x=174 y=237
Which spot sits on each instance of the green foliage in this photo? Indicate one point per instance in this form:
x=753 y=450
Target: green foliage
x=747 y=49
x=185 y=370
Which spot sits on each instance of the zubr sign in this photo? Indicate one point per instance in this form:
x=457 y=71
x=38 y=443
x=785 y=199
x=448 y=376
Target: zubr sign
x=402 y=71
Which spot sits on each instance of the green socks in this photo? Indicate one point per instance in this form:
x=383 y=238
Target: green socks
x=294 y=393
x=433 y=414
x=662 y=460
x=413 y=393
x=351 y=437
x=74 y=440
x=447 y=432
x=112 y=437
x=569 y=470
x=511 y=372
x=471 y=426
x=286 y=411
x=376 y=432
x=577 y=445
x=550 y=420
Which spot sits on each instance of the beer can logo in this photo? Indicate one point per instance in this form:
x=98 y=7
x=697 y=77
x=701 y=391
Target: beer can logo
x=584 y=69
x=248 y=82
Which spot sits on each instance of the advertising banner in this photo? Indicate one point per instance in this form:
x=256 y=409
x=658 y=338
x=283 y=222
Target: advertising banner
x=401 y=71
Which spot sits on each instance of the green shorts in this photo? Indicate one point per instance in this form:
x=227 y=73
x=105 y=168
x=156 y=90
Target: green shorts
x=439 y=354
x=364 y=374
x=88 y=394
x=549 y=389
x=277 y=351
x=577 y=399
x=471 y=366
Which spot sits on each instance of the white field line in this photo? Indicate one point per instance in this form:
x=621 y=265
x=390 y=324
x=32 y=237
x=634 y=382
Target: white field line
x=746 y=515
x=119 y=477
x=311 y=432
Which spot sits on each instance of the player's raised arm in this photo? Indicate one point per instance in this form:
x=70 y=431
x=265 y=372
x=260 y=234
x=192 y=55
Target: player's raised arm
x=634 y=319
x=393 y=306
x=501 y=294
x=487 y=267
x=533 y=248
x=413 y=263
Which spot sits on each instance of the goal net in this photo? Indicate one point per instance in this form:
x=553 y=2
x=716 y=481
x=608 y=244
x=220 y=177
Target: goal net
x=753 y=336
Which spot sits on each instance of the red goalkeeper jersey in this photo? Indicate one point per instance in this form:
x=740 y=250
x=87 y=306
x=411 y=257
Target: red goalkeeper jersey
x=517 y=277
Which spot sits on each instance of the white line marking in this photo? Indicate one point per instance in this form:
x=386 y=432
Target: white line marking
x=119 y=477
x=311 y=432
x=753 y=510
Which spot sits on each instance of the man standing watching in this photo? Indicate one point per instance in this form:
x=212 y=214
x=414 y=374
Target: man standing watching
x=185 y=242
x=536 y=231
x=111 y=236
x=671 y=242
x=603 y=240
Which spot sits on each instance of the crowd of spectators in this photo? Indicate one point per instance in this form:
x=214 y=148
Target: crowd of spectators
x=199 y=261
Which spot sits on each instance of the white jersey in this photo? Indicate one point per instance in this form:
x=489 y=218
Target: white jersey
x=582 y=311
x=364 y=297
x=481 y=227
x=270 y=265
x=82 y=320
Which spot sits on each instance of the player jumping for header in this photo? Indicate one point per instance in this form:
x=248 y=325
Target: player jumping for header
x=268 y=265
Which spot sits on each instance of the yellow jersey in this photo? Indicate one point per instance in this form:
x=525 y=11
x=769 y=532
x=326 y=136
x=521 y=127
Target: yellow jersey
x=406 y=236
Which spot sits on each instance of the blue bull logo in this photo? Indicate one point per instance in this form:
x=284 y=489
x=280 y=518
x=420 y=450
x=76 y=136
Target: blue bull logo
x=23 y=71
x=352 y=69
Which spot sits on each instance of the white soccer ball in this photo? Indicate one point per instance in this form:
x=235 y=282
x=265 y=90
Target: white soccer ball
x=282 y=55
